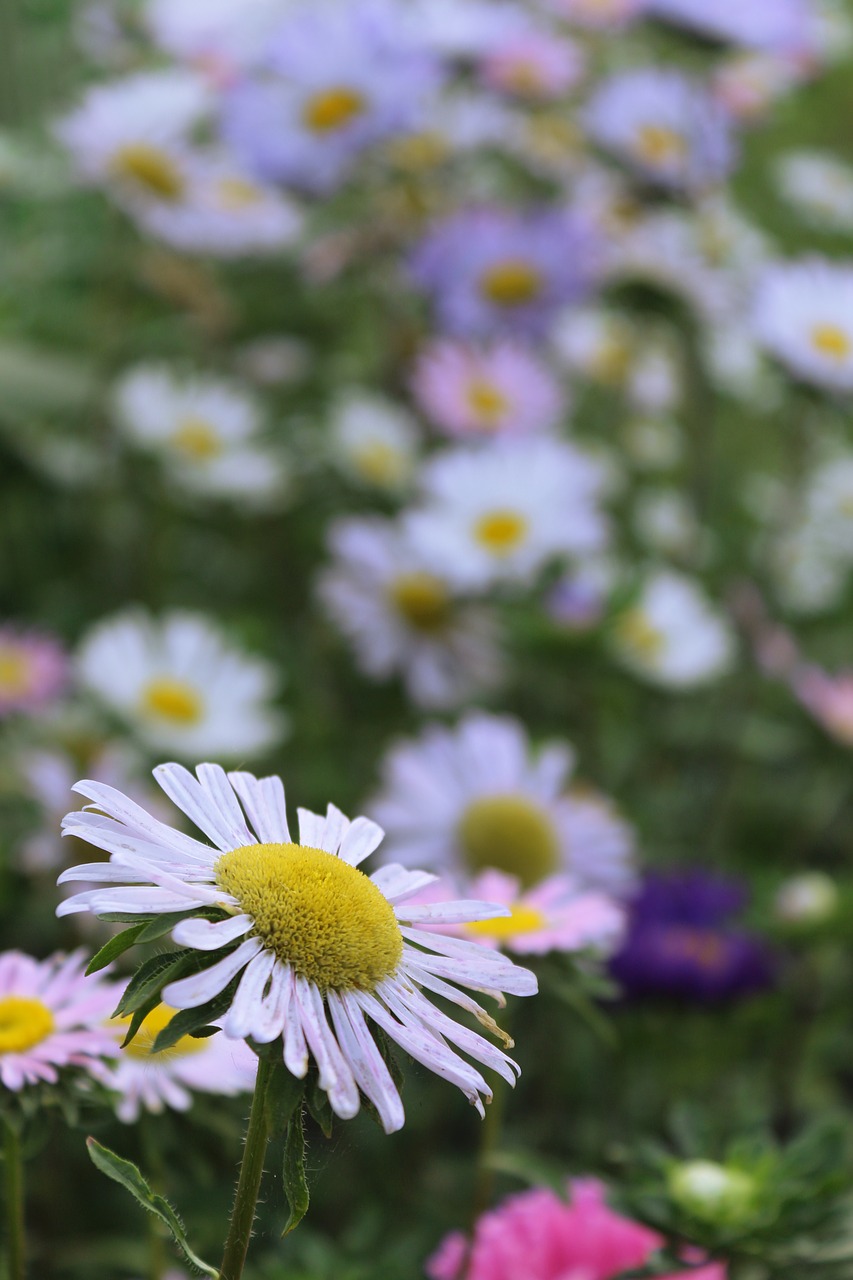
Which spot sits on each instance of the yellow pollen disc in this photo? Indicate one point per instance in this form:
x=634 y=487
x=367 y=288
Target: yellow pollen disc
x=422 y=600
x=24 y=1023
x=511 y=283
x=236 y=194
x=831 y=340
x=14 y=672
x=500 y=532
x=635 y=631
x=379 y=463
x=521 y=920
x=509 y=833
x=150 y=168
x=656 y=144
x=154 y=1022
x=486 y=401
x=196 y=439
x=317 y=913
x=612 y=361
x=174 y=700
x=333 y=109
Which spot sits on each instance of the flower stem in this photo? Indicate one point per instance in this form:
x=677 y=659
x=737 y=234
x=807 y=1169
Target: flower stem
x=249 y=1182
x=14 y=1180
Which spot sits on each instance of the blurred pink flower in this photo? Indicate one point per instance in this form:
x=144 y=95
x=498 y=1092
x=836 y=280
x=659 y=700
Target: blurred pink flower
x=828 y=698
x=555 y=915
x=495 y=390
x=33 y=669
x=533 y=65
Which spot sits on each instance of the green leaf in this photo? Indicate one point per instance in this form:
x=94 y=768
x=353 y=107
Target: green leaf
x=285 y=1092
x=128 y=1176
x=295 y=1181
x=152 y=975
x=114 y=948
x=188 y=1022
x=164 y=924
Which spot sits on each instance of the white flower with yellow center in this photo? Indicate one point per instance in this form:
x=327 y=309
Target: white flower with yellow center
x=131 y=135
x=373 y=440
x=819 y=186
x=316 y=938
x=477 y=797
x=205 y=429
x=598 y=344
x=803 y=315
x=147 y=1081
x=402 y=617
x=501 y=513
x=181 y=685
x=672 y=635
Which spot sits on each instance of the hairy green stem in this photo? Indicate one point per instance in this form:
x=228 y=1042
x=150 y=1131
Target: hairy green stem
x=14 y=1180
x=249 y=1182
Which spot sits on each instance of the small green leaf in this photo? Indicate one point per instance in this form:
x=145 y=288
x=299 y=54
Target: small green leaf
x=190 y=1021
x=128 y=1176
x=152 y=975
x=114 y=948
x=295 y=1181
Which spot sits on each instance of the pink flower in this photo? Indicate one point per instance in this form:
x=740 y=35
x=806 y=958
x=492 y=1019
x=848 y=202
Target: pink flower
x=495 y=390
x=539 y=1236
x=52 y=1015
x=33 y=669
x=555 y=915
x=533 y=64
x=828 y=698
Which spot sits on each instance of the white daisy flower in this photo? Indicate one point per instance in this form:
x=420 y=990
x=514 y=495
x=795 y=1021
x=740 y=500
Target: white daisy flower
x=373 y=440
x=595 y=343
x=130 y=135
x=153 y=1082
x=181 y=685
x=664 y=520
x=316 y=938
x=403 y=617
x=475 y=797
x=672 y=635
x=819 y=186
x=205 y=429
x=803 y=315
x=500 y=513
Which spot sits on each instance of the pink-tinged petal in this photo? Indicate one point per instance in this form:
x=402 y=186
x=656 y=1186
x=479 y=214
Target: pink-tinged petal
x=263 y=801
x=198 y=988
x=410 y=1005
x=398 y=883
x=441 y=988
x=210 y=935
x=240 y=1019
x=459 y=912
x=295 y=1048
x=360 y=841
x=335 y=1074
x=367 y=1064
x=200 y=806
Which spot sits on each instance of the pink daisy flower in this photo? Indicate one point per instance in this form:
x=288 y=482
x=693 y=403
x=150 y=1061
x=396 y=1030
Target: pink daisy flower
x=33 y=669
x=533 y=65
x=555 y=915
x=52 y=1015
x=488 y=391
x=582 y=1239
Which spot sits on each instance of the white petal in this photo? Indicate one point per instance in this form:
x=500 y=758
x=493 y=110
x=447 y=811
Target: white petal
x=138 y=822
x=397 y=882
x=240 y=1019
x=458 y=912
x=214 y=781
x=263 y=800
x=210 y=935
x=312 y=828
x=189 y=993
x=270 y=1019
x=410 y=1006
x=360 y=840
x=133 y=899
x=200 y=806
x=368 y=1066
x=335 y=1073
x=295 y=1048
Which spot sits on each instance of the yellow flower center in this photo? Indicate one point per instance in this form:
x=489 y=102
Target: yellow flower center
x=236 y=194
x=422 y=600
x=656 y=144
x=500 y=532
x=524 y=77
x=196 y=439
x=333 y=109
x=509 y=833
x=831 y=340
x=317 y=913
x=150 y=168
x=418 y=151
x=522 y=919
x=154 y=1022
x=14 y=672
x=512 y=283
x=635 y=631
x=24 y=1023
x=486 y=401
x=379 y=463
x=173 y=700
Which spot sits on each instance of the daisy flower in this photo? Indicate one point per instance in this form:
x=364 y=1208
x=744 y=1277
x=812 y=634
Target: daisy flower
x=500 y=389
x=665 y=126
x=748 y=83
x=478 y=797
x=316 y=938
x=672 y=635
x=777 y=25
x=180 y=684
x=220 y=37
x=205 y=429
x=500 y=514
x=152 y=1082
x=403 y=617
x=52 y=1016
x=803 y=315
x=33 y=669
x=373 y=440
x=594 y=343
x=819 y=186
x=534 y=65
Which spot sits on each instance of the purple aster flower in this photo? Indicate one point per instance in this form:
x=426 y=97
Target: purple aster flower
x=681 y=942
x=496 y=271
x=339 y=79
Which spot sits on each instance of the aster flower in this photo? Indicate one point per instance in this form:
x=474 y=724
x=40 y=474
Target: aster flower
x=152 y=1082
x=500 y=514
x=180 y=684
x=600 y=15
x=315 y=936
x=665 y=126
x=478 y=797
x=534 y=65
x=672 y=635
x=488 y=391
x=220 y=37
x=803 y=315
x=52 y=1016
x=401 y=616
x=33 y=669
x=749 y=83
x=491 y=270
x=466 y=29
x=681 y=941
x=557 y=1239
x=374 y=440
x=778 y=25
